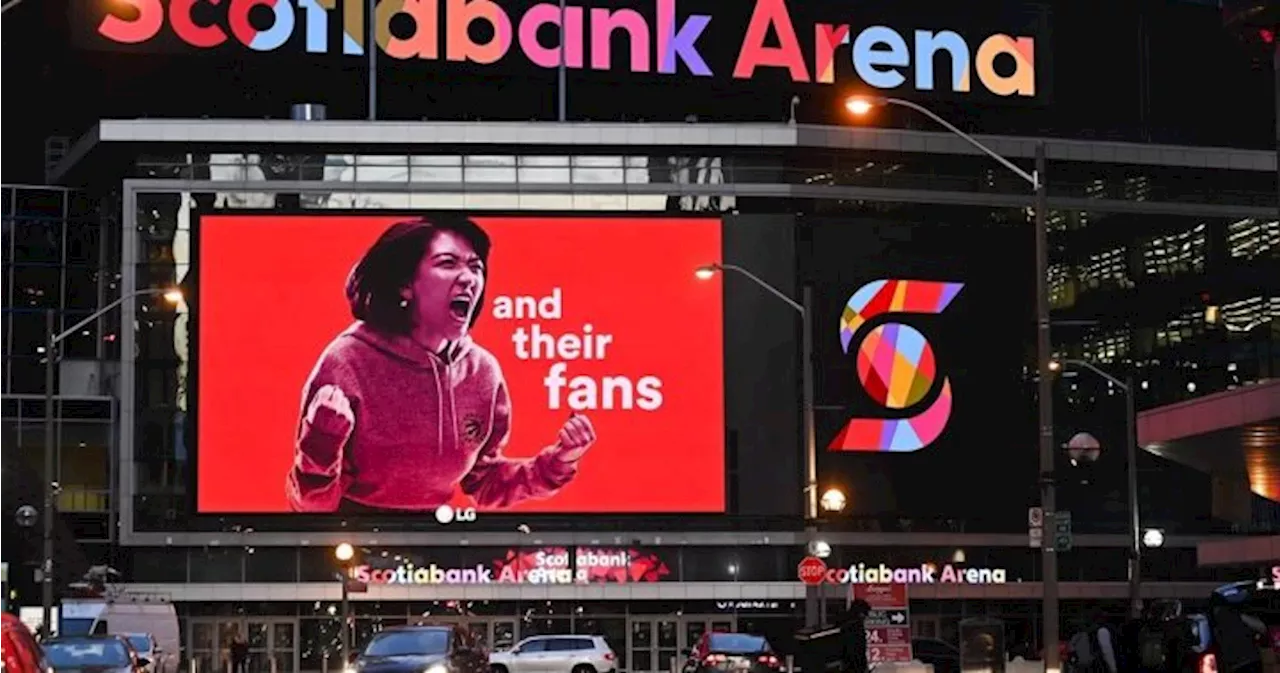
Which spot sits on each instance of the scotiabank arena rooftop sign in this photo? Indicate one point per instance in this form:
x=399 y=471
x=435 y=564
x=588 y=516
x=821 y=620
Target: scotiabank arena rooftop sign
x=646 y=36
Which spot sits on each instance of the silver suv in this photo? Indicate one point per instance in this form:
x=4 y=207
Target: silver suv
x=556 y=654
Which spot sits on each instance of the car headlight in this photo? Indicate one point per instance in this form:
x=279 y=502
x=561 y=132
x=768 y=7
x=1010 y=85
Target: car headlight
x=436 y=668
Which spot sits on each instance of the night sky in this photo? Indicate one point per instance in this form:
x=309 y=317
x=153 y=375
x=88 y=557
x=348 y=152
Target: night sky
x=1201 y=84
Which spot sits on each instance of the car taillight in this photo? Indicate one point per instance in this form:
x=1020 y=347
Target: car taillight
x=608 y=656
x=1208 y=663
x=713 y=659
x=769 y=660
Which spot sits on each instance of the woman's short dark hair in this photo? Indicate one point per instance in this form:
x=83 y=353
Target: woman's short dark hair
x=391 y=264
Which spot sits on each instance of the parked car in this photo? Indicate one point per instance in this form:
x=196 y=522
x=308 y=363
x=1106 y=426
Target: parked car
x=93 y=654
x=556 y=654
x=422 y=649
x=22 y=654
x=740 y=652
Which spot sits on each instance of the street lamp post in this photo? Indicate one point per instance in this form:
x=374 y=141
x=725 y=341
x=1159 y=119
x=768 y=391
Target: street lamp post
x=861 y=105
x=52 y=339
x=1131 y=461
x=562 y=111
x=832 y=501
x=372 y=46
x=804 y=308
x=344 y=553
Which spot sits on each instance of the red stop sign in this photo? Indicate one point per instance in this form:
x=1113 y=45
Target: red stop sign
x=812 y=570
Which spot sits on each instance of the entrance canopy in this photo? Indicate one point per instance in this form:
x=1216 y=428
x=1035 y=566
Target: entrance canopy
x=1233 y=436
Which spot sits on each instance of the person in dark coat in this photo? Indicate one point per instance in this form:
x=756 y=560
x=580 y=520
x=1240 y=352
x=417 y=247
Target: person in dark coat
x=239 y=653
x=853 y=633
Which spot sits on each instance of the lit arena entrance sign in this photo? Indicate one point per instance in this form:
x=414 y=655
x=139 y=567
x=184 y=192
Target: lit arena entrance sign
x=925 y=573
x=662 y=42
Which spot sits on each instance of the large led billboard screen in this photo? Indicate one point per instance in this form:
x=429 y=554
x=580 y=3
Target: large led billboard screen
x=400 y=362
x=924 y=329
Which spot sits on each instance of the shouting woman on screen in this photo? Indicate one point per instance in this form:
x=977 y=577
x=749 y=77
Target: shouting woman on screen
x=403 y=407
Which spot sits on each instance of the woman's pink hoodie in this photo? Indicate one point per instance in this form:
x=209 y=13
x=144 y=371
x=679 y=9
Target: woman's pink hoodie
x=425 y=423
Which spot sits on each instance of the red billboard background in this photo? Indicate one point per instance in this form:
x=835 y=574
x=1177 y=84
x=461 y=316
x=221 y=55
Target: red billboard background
x=270 y=298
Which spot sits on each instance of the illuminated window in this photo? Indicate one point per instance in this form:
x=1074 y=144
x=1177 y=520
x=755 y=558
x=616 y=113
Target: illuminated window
x=1252 y=238
x=1096 y=189
x=1245 y=315
x=1106 y=346
x=1170 y=255
x=1058 y=220
x=1137 y=188
x=1180 y=329
x=1062 y=286
x=1106 y=269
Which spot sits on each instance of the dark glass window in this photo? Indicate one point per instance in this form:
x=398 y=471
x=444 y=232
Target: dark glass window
x=320 y=641
x=710 y=564
x=36 y=286
x=82 y=288
x=41 y=202
x=271 y=564
x=158 y=565
x=1093 y=564
x=37 y=240
x=217 y=565
x=83 y=242
x=317 y=564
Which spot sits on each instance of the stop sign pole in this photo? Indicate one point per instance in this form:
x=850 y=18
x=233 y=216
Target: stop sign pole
x=812 y=571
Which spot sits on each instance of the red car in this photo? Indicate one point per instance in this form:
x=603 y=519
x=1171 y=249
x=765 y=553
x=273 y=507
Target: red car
x=22 y=654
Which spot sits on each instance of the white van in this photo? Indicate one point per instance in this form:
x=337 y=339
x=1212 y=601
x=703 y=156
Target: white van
x=126 y=613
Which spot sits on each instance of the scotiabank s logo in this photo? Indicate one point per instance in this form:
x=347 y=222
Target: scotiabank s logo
x=896 y=365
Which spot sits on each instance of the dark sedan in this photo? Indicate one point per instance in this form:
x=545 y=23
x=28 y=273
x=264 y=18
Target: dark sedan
x=731 y=652
x=423 y=649
x=93 y=654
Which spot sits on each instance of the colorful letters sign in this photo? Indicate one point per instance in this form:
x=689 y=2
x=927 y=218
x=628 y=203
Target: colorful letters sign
x=661 y=40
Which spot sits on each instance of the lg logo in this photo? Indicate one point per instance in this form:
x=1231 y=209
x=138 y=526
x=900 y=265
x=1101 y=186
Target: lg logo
x=447 y=514
x=896 y=365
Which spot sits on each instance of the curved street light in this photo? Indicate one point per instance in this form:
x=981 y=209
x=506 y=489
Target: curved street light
x=861 y=106
x=52 y=339
x=812 y=601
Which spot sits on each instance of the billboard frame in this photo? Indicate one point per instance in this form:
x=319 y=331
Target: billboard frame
x=231 y=134
x=126 y=490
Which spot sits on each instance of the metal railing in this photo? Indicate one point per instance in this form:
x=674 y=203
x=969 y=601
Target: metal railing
x=626 y=170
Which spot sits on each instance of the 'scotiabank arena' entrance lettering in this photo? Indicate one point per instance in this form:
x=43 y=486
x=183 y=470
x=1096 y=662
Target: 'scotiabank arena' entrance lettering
x=659 y=41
